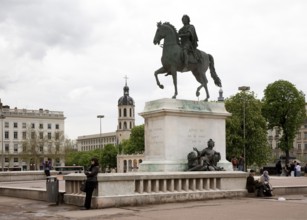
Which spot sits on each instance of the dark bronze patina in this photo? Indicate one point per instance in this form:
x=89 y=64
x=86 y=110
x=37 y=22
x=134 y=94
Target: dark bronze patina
x=205 y=160
x=182 y=55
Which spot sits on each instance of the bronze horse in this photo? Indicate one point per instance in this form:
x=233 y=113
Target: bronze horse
x=172 y=60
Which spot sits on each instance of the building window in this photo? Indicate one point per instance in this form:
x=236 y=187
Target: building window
x=15 y=125
x=6 y=160
x=6 y=125
x=305 y=135
x=15 y=159
x=41 y=126
x=41 y=149
x=33 y=135
x=24 y=125
x=49 y=135
x=299 y=146
x=7 y=148
x=15 y=148
x=49 y=126
x=33 y=125
x=130 y=112
x=15 y=135
x=57 y=147
x=299 y=136
x=24 y=135
x=305 y=145
x=6 y=135
x=57 y=136
x=41 y=135
x=305 y=125
x=57 y=126
x=125 y=112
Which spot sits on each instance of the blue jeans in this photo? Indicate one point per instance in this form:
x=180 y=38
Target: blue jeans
x=241 y=167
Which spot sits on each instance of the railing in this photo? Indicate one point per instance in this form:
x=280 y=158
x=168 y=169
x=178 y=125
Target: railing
x=177 y=185
x=121 y=189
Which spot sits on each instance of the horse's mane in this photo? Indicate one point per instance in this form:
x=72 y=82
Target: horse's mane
x=174 y=29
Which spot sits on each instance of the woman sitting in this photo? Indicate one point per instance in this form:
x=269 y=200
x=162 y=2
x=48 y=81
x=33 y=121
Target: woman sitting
x=263 y=186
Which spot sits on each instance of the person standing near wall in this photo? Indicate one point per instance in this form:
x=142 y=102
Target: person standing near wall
x=234 y=162
x=241 y=163
x=278 y=168
x=298 y=169
x=47 y=167
x=91 y=182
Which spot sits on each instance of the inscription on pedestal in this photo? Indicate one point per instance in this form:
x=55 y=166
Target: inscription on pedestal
x=196 y=137
x=156 y=141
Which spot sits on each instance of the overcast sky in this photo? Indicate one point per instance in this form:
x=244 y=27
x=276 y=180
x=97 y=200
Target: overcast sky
x=73 y=55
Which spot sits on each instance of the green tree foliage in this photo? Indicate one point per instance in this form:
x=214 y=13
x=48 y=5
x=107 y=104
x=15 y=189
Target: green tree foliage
x=106 y=157
x=78 y=158
x=284 y=108
x=257 y=150
x=109 y=159
x=136 y=143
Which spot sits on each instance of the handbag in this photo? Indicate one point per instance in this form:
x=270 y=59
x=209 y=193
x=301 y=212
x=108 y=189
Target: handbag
x=82 y=187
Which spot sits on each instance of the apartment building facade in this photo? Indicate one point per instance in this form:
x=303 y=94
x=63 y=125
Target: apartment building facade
x=29 y=137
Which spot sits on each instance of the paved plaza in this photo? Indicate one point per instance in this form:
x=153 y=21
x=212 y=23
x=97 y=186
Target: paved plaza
x=293 y=207
x=248 y=208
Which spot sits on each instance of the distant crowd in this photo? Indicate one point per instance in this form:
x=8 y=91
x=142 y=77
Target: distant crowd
x=293 y=168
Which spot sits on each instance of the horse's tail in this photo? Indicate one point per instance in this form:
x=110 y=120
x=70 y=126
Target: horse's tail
x=217 y=80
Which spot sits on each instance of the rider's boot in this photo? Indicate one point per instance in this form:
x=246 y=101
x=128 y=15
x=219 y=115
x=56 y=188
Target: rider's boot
x=186 y=61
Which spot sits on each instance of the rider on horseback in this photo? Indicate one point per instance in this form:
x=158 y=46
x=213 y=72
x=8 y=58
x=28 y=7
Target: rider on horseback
x=189 y=40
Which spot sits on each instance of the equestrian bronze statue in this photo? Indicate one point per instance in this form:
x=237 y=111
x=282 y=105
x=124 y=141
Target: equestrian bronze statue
x=183 y=55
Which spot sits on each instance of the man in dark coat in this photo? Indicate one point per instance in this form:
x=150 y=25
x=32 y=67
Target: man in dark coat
x=250 y=182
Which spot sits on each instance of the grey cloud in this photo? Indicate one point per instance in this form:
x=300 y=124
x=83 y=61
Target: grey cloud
x=37 y=26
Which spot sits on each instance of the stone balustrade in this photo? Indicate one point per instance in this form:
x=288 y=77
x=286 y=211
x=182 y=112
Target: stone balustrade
x=121 y=189
x=12 y=176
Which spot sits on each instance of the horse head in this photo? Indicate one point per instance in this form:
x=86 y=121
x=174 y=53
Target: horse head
x=158 y=35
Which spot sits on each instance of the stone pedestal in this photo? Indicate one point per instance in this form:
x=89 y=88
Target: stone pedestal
x=173 y=127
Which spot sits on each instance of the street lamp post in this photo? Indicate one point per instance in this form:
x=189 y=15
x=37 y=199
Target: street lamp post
x=244 y=89
x=100 y=117
x=2 y=117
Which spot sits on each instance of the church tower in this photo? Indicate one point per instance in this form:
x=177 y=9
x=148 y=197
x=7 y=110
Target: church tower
x=126 y=115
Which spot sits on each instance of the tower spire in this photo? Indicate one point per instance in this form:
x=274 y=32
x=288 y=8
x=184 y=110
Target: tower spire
x=126 y=78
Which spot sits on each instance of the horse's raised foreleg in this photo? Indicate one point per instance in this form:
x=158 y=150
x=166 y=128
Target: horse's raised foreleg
x=157 y=72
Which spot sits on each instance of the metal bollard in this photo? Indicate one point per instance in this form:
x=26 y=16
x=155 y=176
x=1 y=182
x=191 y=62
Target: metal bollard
x=52 y=188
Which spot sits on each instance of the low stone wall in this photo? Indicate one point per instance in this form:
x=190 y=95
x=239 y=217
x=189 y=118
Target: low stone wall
x=12 y=176
x=281 y=190
x=35 y=194
x=131 y=189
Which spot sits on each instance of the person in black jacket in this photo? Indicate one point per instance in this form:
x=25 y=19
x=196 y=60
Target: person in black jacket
x=91 y=182
x=278 y=168
x=250 y=182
